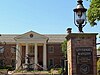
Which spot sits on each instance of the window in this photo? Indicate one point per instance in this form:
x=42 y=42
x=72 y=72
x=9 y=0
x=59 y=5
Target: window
x=62 y=62
x=1 y=62
x=13 y=63
x=51 y=62
x=1 y=49
x=13 y=49
x=51 y=49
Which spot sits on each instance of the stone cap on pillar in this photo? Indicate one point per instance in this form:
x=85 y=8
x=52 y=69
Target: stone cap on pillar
x=80 y=35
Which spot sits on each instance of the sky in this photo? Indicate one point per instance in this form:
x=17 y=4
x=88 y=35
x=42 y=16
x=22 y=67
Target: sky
x=41 y=16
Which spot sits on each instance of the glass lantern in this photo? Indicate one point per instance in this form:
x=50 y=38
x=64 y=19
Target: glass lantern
x=80 y=15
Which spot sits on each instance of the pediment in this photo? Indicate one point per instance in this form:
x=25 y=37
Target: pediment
x=31 y=35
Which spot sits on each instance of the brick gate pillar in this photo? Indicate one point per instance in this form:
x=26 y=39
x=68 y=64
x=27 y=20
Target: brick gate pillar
x=81 y=53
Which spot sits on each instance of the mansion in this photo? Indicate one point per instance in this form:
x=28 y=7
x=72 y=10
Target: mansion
x=32 y=47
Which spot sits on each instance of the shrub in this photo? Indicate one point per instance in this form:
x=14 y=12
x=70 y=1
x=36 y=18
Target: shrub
x=7 y=67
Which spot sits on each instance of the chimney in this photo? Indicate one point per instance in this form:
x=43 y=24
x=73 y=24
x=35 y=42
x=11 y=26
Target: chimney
x=69 y=30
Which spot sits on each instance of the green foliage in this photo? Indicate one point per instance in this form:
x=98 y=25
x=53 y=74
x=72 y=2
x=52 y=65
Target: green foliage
x=64 y=48
x=99 y=48
x=94 y=12
x=98 y=65
x=7 y=67
x=59 y=70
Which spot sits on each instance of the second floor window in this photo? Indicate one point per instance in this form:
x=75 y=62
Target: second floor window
x=13 y=49
x=51 y=49
x=1 y=49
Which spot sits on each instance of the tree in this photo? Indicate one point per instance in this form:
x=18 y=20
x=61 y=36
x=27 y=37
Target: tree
x=98 y=48
x=99 y=35
x=94 y=12
x=98 y=66
x=64 y=48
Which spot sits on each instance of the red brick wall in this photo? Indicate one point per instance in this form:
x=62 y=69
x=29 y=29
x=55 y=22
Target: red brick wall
x=8 y=55
x=56 y=55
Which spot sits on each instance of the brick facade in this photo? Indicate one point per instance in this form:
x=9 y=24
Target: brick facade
x=8 y=56
x=56 y=55
x=82 y=41
x=19 y=46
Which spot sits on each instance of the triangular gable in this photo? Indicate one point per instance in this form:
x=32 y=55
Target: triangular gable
x=31 y=35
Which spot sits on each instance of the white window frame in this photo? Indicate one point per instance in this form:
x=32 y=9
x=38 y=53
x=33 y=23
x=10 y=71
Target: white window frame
x=1 y=49
x=50 y=49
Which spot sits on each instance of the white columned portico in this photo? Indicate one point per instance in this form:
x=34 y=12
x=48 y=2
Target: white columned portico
x=44 y=56
x=26 y=55
x=27 y=40
x=36 y=55
x=18 y=56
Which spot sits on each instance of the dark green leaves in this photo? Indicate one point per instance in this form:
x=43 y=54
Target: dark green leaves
x=64 y=47
x=94 y=12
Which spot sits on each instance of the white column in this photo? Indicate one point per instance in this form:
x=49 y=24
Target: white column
x=44 y=57
x=36 y=55
x=26 y=53
x=18 y=56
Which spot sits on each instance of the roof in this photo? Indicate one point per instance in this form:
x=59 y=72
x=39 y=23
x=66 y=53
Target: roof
x=56 y=37
x=52 y=38
x=8 y=38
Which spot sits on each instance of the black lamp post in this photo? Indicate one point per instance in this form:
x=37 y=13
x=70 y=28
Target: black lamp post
x=80 y=15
